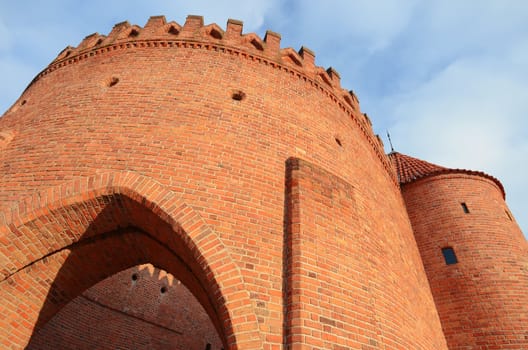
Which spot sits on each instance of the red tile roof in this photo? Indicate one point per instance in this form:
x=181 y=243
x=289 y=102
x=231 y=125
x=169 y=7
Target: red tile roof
x=409 y=169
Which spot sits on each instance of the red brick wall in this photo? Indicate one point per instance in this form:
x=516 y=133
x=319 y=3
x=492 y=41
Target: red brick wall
x=482 y=300
x=355 y=280
x=143 y=132
x=132 y=308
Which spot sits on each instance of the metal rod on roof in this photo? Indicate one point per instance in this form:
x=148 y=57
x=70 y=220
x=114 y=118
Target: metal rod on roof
x=390 y=141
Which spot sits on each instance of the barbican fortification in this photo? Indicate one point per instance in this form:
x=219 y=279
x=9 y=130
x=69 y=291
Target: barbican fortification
x=194 y=187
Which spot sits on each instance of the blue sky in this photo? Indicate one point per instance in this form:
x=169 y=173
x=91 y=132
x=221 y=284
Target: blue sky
x=449 y=79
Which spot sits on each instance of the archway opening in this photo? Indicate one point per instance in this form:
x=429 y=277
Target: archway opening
x=142 y=307
x=91 y=240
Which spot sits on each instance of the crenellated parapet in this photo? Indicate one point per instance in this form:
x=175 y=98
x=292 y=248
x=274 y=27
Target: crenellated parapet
x=194 y=34
x=160 y=33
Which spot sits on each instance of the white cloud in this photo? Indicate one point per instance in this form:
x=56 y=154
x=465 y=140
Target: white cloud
x=470 y=115
x=447 y=78
x=363 y=23
x=451 y=87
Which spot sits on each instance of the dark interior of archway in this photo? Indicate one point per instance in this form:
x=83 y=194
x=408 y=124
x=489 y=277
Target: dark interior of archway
x=142 y=307
x=121 y=237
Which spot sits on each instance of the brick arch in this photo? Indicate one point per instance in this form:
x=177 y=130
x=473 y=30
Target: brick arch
x=109 y=211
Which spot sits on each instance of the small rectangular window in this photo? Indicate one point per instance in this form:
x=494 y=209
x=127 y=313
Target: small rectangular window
x=508 y=214
x=464 y=207
x=449 y=256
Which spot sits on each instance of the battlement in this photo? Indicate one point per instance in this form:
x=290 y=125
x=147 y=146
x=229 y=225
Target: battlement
x=158 y=274
x=158 y=33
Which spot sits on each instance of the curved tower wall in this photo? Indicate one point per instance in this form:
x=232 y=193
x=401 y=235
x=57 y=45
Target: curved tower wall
x=214 y=116
x=482 y=299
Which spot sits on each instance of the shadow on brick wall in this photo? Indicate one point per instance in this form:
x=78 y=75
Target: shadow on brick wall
x=122 y=234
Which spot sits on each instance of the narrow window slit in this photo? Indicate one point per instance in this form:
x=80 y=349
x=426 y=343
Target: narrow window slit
x=449 y=256
x=465 y=207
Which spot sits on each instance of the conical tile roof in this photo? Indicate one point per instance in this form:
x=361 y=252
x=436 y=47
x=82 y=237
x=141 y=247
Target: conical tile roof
x=409 y=169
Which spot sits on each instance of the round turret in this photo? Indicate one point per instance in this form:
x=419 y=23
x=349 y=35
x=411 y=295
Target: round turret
x=239 y=167
x=474 y=253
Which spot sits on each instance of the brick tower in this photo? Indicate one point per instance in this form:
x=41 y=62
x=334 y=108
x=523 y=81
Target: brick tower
x=474 y=253
x=233 y=166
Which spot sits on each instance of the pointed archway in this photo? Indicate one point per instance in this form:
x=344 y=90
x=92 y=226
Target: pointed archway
x=59 y=242
x=141 y=308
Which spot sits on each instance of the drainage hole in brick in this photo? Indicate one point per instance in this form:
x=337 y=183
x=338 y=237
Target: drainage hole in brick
x=163 y=290
x=134 y=277
x=113 y=81
x=338 y=141
x=238 y=95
